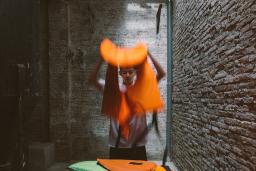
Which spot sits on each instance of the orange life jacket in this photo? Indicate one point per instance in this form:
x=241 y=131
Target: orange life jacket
x=127 y=165
x=122 y=56
x=142 y=97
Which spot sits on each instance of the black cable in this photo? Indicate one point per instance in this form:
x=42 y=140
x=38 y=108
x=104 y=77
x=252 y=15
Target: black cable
x=158 y=16
x=118 y=137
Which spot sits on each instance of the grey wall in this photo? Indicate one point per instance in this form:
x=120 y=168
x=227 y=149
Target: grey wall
x=214 y=120
x=77 y=127
x=38 y=121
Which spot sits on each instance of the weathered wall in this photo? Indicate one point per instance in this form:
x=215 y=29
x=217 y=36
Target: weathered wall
x=38 y=120
x=77 y=127
x=19 y=44
x=214 y=120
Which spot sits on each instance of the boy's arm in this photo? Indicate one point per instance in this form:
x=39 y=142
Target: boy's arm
x=99 y=84
x=160 y=74
x=160 y=71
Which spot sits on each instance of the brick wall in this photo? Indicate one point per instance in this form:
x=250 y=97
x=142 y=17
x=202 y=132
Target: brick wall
x=77 y=127
x=214 y=119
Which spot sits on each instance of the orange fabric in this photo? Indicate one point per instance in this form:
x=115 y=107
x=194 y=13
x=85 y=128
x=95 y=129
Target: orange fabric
x=114 y=102
x=142 y=97
x=159 y=168
x=127 y=165
x=112 y=96
x=123 y=117
x=123 y=57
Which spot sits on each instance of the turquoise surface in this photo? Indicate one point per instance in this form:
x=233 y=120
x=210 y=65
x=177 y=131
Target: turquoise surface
x=86 y=166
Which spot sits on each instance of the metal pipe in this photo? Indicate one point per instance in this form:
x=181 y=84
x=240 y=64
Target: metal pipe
x=169 y=4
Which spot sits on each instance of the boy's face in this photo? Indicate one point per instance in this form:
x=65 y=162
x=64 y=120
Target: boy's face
x=129 y=75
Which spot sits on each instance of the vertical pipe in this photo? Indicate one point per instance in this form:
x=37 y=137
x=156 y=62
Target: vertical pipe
x=169 y=76
x=69 y=72
x=44 y=61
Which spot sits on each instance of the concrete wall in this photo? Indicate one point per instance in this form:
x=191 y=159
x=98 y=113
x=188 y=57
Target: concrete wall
x=214 y=120
x=77 y=127
x=38 y=120
x=20 y=34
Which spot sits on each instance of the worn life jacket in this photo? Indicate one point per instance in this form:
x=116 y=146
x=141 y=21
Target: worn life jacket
x=130 y=165
x=127 y=165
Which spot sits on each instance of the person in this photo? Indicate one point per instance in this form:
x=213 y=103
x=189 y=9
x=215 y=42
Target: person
x=125 y=135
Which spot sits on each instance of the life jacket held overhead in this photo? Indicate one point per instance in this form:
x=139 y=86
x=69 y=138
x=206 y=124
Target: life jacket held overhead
x=143 y=96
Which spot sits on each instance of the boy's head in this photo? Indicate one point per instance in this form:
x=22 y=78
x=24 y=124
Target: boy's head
x=129 y=75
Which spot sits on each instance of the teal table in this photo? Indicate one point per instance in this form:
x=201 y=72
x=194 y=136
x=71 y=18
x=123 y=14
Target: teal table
x=86 y=166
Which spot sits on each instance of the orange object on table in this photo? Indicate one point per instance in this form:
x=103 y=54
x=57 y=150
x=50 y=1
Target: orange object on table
x=127 y=165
